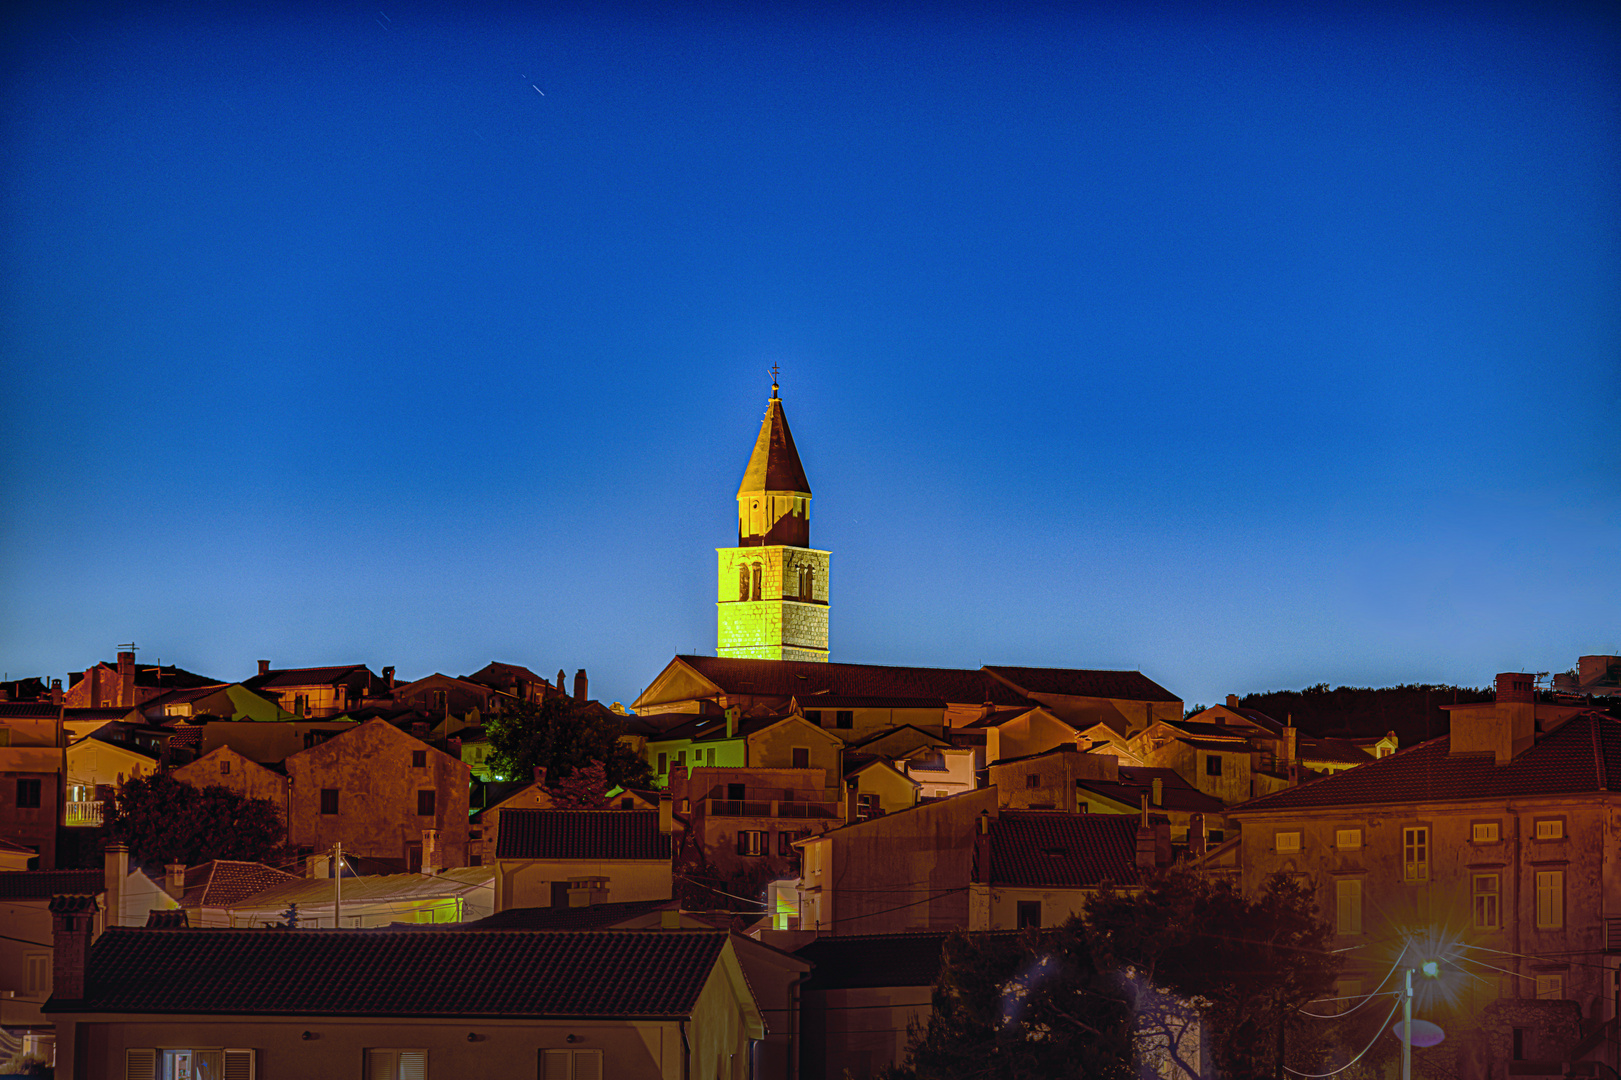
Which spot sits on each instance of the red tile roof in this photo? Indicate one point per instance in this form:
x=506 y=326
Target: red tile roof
x=44 y=884
x=582 y=834
x=514 y=973
x=1083 y=682
x=310 y=676
x=1311 y=748
x=1057 y=849
x=595 y=917
x=224 y=882
x=1582 y=755
x=803 y=678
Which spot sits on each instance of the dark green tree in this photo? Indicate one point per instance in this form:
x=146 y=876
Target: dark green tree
x=1247 y=964
x=586 y=788
x=562 y=736
x=165 y=821
x=1008 y=1007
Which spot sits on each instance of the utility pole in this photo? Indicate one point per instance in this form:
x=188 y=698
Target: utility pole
x=337 y=882
x=1407 y=1028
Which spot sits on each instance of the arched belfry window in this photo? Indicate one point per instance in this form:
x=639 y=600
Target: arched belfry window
x=758 y=595
x=807 y=583
x=743 y=581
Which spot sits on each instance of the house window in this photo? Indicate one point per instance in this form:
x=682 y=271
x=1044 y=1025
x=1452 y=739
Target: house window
x=425 y=802
x=758 y=595
x=419 y=759
x=743 y=582
x=1415 y=853
x=785 y=841
x=1029 y=913
x=225 y=767
x=475 y=834
x=1550 y=987
x=751 y=842
x=801 y=757
x=39 y=975
x=396 y=1065
x=736 y=792
x=28 y=794
x=807 y=584
x=571 y=1065
x=866 y=806
x=329 y=800
x=1550 y=899
x=844 y=718
x=145 y=1064
x=301 y=704
x=439 y=698
x=1347 y=839
x=1518 y=1052
x=941 y=793
x=1212 y=765
x=1348 y=906
x=1484 y=832
x=680 y=759
x=1032 y=780
x=627 y=803
x=813 y=716
x=1286 y=841
x=475 y=860
x=664 y=763
x=1487 y=892
x=1551 y=829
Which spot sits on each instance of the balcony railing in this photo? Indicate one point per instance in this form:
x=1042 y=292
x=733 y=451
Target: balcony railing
x=772 y=809
x=83 y=815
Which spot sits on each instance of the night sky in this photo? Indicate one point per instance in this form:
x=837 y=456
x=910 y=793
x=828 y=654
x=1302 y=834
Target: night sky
x=1251 y=350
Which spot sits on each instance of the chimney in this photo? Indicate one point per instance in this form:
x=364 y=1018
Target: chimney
x=1159 y=791
x=1511 y=686
x=1198 y=841
x=115 y=871
x=175 y=882
x=73 y=922
x=562 y=683
x=666 y=821
x=430 y=852
x=1147 y=846
x=580 y=686
x=264 y=667
x=731 y=722
x=388 y=679
x=1232 y=701
x=56 y=693
x=126 y=680
x=540 y=775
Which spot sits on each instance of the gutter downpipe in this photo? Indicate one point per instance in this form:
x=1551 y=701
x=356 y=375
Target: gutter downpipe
x=686 y=1051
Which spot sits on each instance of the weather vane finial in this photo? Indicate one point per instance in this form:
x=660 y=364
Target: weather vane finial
x=773 y=380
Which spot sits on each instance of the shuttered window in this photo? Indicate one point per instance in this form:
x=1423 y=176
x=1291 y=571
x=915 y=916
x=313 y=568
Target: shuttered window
x=396 y=1065
x=1348 y=905
x=1550 y=899
x=140 y=1064
x=239 y=1065
x=571 y=1065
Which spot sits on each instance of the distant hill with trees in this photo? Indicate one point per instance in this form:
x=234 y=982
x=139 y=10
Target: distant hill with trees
x=1413 y=712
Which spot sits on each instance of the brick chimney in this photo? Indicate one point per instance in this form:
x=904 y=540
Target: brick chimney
x=1232 y=701
x=666 y=817
x=73 y=924
x=126 y=680
x=115 y=871
x=1504 y=729
x=264 y=667
x=581 y=685
x=56 y=693
x=174 y=881
x=388 y=679
x=540 y=775
x=562 y=682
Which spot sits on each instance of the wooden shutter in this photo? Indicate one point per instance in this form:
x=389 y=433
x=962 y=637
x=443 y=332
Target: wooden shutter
x=413 y=1065
x=382 y=1065
x=140 y=1064
x=554 y=1064
x=238 y=1065
x=587 y=1065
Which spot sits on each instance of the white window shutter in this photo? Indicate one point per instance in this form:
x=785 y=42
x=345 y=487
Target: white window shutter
x=555 y=1064
x=413 y=1065
x=382 y=1065
x=140 y=1064
x=587 y=1065
x=238 y=1065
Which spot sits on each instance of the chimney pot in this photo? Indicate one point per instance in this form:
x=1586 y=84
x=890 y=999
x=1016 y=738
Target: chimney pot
x=1232 y=701
x=115 y=871
x=174 y=882
x=581 y=686
x=264 y=667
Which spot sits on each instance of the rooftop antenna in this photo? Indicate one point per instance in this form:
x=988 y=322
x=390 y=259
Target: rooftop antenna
x=128 y=646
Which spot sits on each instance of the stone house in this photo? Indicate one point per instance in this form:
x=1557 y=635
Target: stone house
x=127 y=684
x=1505 y=832
x=1039 y=867
x=572 y=858
x=313 y=693
x=745 y=822
x=401 y=1003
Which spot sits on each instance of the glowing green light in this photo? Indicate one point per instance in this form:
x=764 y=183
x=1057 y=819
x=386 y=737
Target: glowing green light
x=1432 y=968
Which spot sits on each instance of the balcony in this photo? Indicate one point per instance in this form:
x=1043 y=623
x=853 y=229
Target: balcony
x=776 y=808
x=83 y=815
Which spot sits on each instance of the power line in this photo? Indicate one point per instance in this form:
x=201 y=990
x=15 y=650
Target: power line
x=1377 y=1032
x=1365 y=997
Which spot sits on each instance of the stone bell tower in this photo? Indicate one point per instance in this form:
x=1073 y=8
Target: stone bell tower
x=772 y=595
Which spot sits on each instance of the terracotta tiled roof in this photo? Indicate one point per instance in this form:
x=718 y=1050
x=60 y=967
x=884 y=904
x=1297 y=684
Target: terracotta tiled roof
x=1175 y=792
x=582 y=834
x=44 y=710
x=400 y=973
x=1062 y=850
x=774 y=465
x=44 y=884
x=187 y=736
x=867 y=960
x=790 y=678
x=1582 y=755
x=1082 y=682
x=998 y=717
x=1256 y=716
x=1201 y=730
x=225 y=882
x=174 y=919
x=1311 y=748
x=310 y=676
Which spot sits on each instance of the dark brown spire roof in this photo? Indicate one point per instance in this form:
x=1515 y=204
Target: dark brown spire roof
x=774 y=465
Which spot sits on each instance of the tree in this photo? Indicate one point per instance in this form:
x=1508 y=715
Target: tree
x=586 y=788
x=1248 y=965
x=165 y=821
x=561 y=736
x=1008 y=1007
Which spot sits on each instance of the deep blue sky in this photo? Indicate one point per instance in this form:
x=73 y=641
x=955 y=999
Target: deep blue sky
x=1252 y=350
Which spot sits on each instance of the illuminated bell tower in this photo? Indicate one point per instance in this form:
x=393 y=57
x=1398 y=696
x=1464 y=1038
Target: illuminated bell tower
x=772 y=596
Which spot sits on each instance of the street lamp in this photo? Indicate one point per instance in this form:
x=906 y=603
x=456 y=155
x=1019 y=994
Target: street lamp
x=1430 y=969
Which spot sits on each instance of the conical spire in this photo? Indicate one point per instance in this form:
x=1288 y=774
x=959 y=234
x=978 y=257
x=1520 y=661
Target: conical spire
x=774 y=465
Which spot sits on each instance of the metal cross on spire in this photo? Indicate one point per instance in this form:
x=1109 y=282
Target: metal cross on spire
x=773 y=380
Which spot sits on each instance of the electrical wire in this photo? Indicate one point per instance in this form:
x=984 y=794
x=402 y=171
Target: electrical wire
x=1365 y=997
x=1556 y=958
x=1353 y=1061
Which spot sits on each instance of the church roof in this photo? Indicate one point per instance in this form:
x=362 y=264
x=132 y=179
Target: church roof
x=774 y=465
